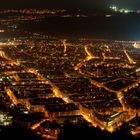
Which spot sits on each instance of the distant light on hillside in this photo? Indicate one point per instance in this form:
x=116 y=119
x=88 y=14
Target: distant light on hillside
x=2 y=31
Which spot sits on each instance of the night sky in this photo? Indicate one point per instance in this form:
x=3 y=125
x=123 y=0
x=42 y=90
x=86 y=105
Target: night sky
x=69 y=3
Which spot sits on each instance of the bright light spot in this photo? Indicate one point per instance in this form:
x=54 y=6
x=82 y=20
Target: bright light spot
x=2 y=31
x=5 y=120
x=126 y=11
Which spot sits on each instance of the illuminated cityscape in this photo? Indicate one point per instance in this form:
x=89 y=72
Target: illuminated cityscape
x=70 y=73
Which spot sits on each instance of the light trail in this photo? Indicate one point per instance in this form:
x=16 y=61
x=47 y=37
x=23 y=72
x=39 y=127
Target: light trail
x=119 y=95
x=89 y=56
x=12 y=62
x=4 y=44
x=136 y=46
x=84 y=112
x=11 y=95
x=65 y=46
x=131 y=61
x=36 y=125
x=110 y=57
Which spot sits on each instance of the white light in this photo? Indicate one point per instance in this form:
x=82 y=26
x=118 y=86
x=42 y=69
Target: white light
x=126 y=11
x=26 y=112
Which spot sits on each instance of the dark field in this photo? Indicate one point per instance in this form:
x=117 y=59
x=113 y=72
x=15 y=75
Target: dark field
x=125 y=27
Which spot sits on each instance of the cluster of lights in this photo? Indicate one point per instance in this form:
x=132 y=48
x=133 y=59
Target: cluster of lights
x=5 y=78
x=5 y=120
x=136 y=45
x=2 y=30
x=121 y=10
